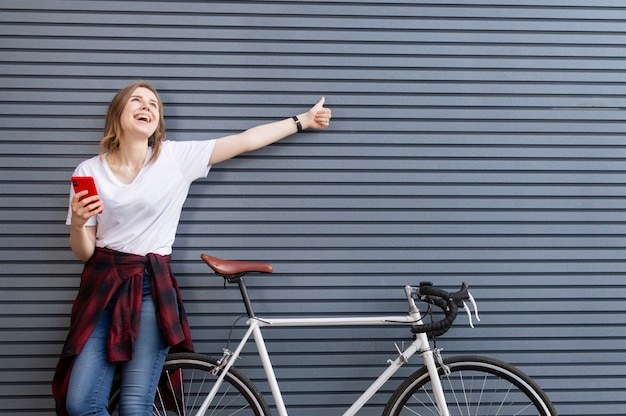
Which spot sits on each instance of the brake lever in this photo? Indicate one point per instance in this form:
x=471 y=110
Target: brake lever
x=467 y=309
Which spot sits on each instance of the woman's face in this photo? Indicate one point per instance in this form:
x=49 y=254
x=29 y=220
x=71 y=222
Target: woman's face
x=140 y=117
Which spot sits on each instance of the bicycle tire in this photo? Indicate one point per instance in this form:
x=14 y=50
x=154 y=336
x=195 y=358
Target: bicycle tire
x=475 y=386
x=237 y=395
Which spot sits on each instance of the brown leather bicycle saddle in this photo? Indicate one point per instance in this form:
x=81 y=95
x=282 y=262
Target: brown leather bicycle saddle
x=235 y=267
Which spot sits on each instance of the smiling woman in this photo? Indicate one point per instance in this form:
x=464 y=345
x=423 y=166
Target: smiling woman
x=143 y=180
x=134 y=115
x=139 y=120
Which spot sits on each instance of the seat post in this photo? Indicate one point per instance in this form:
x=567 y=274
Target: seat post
x=245 y=297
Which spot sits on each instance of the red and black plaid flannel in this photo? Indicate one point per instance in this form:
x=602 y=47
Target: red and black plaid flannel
x=107 y=273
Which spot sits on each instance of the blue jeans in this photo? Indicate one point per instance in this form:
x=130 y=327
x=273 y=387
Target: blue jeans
x=92 y=374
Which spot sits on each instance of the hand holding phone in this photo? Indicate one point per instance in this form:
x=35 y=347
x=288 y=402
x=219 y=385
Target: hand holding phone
x=82 y=183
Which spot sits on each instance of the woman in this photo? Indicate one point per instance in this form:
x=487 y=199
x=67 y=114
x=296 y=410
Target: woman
x=128 y=312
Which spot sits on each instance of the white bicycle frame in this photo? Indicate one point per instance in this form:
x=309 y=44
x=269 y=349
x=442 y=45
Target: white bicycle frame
x=419 y=344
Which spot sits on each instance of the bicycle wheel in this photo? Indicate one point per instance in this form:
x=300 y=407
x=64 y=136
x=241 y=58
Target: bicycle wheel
x=187 y=379
x=475 y=386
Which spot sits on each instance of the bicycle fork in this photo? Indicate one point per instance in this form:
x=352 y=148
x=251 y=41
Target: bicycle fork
x=431 y=365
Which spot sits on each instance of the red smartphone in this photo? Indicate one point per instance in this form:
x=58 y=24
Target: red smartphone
x=80 y=183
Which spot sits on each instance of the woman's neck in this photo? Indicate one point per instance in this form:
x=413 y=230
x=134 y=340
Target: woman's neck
x=127 y=161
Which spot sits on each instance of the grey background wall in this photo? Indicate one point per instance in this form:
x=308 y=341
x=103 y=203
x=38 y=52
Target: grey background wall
x=472 y=140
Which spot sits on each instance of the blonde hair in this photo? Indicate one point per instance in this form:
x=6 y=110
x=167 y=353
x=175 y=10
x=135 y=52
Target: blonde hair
x=113 y=131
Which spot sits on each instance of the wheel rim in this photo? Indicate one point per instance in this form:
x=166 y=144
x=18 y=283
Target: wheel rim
x=475 y=389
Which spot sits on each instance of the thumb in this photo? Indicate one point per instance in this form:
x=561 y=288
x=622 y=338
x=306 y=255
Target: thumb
x=320 y=104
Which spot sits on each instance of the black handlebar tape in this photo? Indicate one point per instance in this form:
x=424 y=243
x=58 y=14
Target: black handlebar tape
x=445 y=302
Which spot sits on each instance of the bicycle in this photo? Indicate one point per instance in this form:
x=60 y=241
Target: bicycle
x=196 y=384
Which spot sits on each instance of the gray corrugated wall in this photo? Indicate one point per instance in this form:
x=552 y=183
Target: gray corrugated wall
x=472 y=140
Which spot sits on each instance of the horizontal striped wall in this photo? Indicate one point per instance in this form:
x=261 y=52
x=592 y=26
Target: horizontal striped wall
x=477 y=141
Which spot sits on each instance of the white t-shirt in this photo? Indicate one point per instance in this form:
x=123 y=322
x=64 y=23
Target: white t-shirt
x=142 y=217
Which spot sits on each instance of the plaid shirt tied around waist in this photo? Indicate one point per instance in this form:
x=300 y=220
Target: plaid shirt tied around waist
x=110 y=273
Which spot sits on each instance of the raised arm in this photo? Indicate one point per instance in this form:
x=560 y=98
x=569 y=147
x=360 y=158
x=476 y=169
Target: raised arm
x=318 y=117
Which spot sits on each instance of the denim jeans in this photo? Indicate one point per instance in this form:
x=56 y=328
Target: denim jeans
x=92 y=375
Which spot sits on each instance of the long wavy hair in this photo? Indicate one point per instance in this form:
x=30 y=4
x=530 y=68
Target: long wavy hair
x=113 y=131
